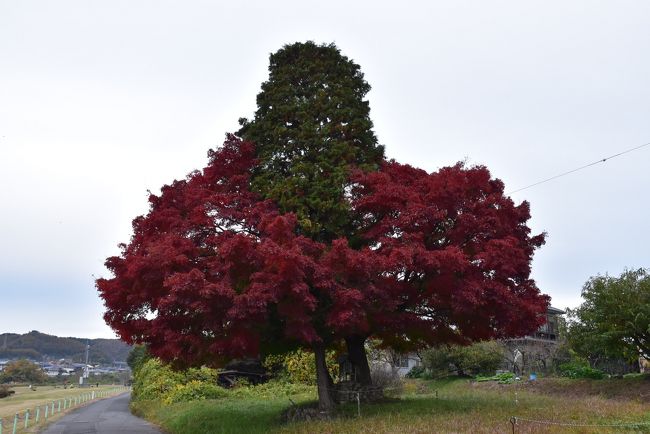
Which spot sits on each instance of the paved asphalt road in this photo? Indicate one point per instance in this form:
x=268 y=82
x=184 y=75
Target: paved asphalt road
x=106 y=416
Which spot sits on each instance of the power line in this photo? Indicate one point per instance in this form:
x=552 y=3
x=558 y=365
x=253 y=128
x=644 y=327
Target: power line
x=579 y=168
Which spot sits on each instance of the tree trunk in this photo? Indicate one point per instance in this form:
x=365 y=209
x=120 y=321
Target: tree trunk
x=359 y=359
x=323 y=380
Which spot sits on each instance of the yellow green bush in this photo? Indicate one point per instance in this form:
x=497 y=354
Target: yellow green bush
x=192 y=391
x=155 y=380
x=271 y=390
x=299 y=366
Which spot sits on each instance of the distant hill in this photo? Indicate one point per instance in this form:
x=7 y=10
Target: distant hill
x=36 y=345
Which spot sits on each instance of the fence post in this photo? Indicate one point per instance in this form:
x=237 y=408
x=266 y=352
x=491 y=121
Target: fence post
x=15 y=424
x=359 y=404
x=52 y=409
x=59 y=406
x=38 y=414
x=0 y=425
x=46 y=408
x=26 y=418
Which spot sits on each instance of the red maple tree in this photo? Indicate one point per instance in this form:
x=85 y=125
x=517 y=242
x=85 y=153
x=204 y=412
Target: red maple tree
x=214 y=272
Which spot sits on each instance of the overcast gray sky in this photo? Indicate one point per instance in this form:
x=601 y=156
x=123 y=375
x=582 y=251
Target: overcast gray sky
x=102 y=100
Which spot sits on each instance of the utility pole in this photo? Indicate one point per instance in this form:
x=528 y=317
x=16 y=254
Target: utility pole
x=86 y=371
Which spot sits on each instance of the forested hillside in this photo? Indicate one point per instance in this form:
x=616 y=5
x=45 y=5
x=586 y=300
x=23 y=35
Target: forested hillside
x=36 y=345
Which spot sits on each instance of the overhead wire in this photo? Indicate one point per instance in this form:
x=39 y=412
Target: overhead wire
x=602 y=160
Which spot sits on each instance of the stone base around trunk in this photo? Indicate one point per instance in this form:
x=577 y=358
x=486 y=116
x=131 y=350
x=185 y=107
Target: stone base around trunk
x=347 y=391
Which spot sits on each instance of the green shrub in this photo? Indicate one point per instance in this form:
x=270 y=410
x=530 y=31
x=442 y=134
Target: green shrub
x=22 y=371
x=437 y=361
x=5 y=391
x=580 y=370
x=137 y=357
x=478 y=358
x=503 y=378
x=416 y=372
x=192 y=391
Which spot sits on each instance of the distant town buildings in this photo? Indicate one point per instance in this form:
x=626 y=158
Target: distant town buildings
x=65 y=368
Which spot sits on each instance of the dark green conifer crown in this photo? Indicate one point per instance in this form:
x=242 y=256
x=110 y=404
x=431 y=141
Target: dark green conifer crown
x=311 y=127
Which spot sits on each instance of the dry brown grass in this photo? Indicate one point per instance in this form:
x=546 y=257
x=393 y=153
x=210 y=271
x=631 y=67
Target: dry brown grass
x=620 y=389
x=463 y=407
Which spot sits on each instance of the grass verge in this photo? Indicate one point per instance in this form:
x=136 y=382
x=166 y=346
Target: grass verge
x=452 y=405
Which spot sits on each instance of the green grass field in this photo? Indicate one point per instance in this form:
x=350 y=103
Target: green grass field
x=435 y=406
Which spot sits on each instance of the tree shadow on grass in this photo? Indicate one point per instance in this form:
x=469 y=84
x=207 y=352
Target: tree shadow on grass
x=226 y=416
x=417 y=406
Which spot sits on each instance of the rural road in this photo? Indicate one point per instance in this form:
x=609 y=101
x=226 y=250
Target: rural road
x=107 y=416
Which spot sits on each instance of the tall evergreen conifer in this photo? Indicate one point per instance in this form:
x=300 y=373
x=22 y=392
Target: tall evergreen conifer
x=312 y=125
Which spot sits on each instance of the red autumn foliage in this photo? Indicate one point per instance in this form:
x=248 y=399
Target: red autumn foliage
x=446 y=258
x=214 y=272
